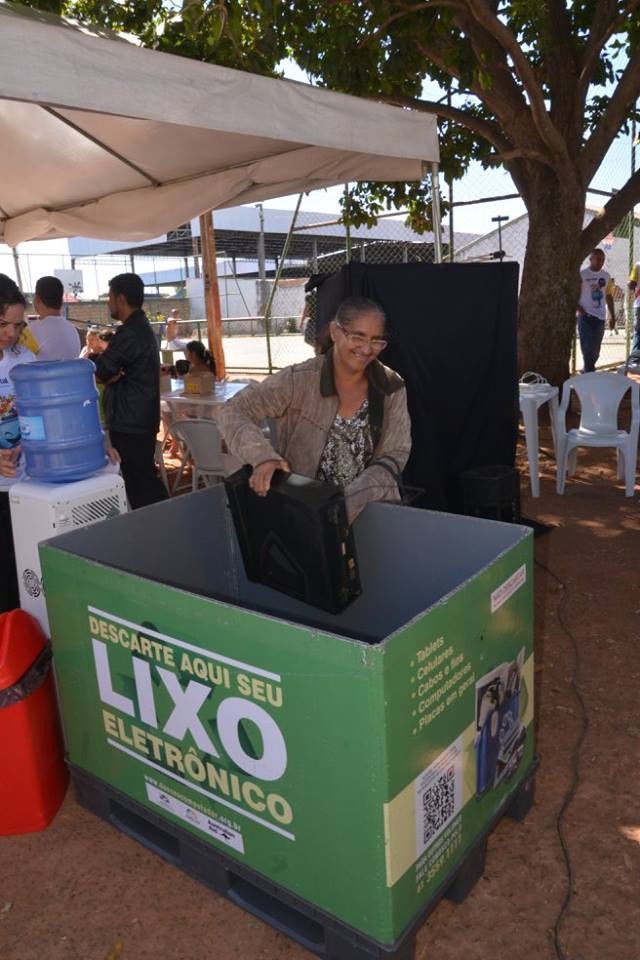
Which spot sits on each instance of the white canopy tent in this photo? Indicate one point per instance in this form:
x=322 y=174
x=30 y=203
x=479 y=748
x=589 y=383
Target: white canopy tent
x=102 y=138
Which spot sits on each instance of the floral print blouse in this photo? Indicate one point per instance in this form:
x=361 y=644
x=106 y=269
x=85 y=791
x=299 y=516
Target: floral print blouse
x=348 y=448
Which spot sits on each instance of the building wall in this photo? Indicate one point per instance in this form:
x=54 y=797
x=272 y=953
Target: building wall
x=88 y=313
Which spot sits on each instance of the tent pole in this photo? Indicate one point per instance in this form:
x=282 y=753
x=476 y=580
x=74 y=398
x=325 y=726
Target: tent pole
x=262 y=262
x=628 y=331
x=435 y=210
x=274 y=287
x=450 y=250
x=16 y=264
x=194 y=249
x=212 y=292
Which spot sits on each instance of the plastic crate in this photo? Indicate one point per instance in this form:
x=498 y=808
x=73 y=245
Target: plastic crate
x=492 y=492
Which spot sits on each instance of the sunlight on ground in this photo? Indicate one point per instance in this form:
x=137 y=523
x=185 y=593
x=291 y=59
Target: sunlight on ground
x=631 y=833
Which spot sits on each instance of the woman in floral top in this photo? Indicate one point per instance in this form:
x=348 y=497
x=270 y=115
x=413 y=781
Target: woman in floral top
x=341 y=417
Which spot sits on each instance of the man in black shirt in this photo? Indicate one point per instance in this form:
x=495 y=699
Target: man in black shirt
x=130 y=368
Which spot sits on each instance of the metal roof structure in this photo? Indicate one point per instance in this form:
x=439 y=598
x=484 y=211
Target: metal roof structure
x=238 y=230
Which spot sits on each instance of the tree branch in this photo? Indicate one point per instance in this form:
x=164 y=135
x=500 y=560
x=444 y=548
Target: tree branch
x=483 y=128
x=599 y=35
x=622 y=101
x=561 y=22
x=504 y=100
x=491 y=59
x=482 y=13
x=504 y=97
x=482 y=42
x=561 y=56
x=611 y=214
x=405 y=11
x=520 y=154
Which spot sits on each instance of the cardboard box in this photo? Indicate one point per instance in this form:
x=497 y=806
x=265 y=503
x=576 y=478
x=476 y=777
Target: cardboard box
x=352 y=759
x=199 y=383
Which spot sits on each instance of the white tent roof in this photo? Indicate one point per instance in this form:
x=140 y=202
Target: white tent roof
x=102 y=138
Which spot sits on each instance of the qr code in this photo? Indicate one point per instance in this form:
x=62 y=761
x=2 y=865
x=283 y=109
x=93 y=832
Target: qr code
x=438 y=803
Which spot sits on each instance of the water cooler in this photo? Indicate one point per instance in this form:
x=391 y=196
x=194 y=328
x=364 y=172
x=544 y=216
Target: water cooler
x=40 y=511
x=70 y=484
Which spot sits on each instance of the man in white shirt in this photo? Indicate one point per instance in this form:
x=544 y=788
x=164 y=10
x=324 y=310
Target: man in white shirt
x=57 y=338
x=596 y=295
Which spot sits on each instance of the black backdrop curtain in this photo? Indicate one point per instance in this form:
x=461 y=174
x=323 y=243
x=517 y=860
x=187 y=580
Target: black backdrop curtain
x=452 y=336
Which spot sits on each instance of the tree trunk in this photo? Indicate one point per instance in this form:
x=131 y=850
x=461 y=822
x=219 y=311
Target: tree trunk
x=550 y=278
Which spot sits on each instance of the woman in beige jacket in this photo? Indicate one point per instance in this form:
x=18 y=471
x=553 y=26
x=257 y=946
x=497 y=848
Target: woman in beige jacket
x=341 y=417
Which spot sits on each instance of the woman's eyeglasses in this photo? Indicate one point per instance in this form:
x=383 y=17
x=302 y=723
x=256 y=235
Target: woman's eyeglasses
x=377 y=344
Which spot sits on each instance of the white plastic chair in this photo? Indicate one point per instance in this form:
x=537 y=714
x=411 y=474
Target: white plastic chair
x=203 y=444
x=631 y=364
x=600 y=395
x=159 y=458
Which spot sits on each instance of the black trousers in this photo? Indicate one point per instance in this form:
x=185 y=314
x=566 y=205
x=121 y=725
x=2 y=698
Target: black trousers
x=141 y=480
x=9 y=597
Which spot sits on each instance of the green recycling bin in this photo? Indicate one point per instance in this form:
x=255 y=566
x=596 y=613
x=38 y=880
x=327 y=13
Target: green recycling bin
x=351 y=762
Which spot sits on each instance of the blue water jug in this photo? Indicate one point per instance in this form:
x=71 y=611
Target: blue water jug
x=59 y=420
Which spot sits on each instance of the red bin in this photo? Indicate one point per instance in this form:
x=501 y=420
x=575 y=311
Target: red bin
x=33 y=775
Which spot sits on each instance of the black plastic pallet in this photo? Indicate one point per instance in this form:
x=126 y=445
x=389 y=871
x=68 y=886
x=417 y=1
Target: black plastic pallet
x=312 y=928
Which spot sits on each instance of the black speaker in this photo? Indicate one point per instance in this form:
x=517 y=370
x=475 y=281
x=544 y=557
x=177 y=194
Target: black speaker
x=296 y=539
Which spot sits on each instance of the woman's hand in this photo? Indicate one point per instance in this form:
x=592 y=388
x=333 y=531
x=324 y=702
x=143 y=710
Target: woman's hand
x=260 y=480
x=113 y=455
x=8 y=461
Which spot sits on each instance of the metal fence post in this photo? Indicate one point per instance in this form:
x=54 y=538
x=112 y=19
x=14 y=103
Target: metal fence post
x=436 y=217
x=347 y=225
x=632 y=254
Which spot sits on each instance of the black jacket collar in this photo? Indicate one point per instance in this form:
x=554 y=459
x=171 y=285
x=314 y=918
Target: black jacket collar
x=136 y=316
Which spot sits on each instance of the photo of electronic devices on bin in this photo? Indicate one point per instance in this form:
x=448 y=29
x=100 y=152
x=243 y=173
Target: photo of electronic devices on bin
x=500 y=734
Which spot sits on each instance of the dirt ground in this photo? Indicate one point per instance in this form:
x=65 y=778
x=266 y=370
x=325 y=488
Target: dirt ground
x=82 y=891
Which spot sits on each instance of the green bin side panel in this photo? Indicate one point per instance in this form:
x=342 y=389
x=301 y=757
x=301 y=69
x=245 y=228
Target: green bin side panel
x=433 y=668
x=330 y=724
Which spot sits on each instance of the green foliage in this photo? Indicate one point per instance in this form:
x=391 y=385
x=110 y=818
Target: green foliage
x=366 y=201
x=137 y=18
x=239 y=34
x=392 y=48
x=244 y=34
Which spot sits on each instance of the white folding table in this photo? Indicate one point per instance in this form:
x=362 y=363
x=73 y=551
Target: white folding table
x=206 y=405
x=532 y=397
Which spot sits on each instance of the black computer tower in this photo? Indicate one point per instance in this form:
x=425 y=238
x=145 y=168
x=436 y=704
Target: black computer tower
x=296 y=539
